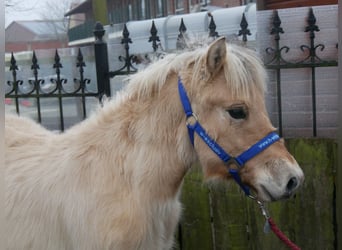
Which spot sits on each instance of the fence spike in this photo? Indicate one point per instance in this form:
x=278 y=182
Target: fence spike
x=312 y=27
x=276 y=29
x=57 y=65
x=127 y=59
x=182 y=27
x=126 y=39
x=277 y=51
x=13 y=66
x=80 y=63
x=180 y=44
x=154 y=38
x=35 y=65
x=212 y=27
x=82 y=82
x=36 y=82
x=244 y=28
x=14 y=84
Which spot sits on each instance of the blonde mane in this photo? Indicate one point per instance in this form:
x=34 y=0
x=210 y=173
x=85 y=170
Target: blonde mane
x=242 y=69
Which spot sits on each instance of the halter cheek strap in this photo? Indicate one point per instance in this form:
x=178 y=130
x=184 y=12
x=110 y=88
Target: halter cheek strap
x=195 y=127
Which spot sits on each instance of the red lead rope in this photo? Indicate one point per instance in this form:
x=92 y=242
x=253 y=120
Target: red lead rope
x=282 y=236
x=270 y=224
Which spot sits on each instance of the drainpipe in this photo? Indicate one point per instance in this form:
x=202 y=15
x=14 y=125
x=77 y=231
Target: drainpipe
x=100 y=11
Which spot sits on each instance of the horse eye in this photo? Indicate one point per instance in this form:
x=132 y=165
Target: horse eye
x=237 y=113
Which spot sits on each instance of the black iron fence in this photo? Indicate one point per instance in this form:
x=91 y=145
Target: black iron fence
x=309 y=59
x=39 y=88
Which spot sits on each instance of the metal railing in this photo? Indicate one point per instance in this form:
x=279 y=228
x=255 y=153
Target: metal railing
x=311 y=61
x=40 y=88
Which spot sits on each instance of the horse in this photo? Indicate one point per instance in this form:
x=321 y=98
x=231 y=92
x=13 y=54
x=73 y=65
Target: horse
x=113 y=181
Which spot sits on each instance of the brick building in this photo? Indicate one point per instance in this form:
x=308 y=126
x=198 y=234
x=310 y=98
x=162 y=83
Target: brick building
x=33 y=35
x=82 y=19
x=130 y=10
x=283 y=4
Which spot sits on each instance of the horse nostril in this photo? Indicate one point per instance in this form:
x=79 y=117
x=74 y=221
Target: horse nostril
x=292 y=184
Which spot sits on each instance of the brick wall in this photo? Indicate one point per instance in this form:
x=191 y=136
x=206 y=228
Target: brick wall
x=34 y=45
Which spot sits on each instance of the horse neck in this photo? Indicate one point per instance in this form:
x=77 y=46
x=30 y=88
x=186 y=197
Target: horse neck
x=148 y=141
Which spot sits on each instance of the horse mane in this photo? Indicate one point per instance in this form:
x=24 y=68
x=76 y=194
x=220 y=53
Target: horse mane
x=242 y=69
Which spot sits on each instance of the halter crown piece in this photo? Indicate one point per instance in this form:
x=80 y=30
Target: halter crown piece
x=240 y=160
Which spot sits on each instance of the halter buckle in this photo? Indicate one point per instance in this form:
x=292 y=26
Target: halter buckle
x=233 y=160
x=191 y=120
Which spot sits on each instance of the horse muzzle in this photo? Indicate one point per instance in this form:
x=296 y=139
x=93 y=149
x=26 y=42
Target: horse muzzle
x=278 y=180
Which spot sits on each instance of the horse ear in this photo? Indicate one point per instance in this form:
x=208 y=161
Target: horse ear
x=216 y=55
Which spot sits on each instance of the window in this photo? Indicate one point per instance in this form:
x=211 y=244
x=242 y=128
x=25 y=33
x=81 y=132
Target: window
x=159 y=8
x=143 y=10
x=179 y=6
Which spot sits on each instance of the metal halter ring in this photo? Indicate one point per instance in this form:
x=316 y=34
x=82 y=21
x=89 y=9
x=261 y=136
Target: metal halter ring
x=191 y=120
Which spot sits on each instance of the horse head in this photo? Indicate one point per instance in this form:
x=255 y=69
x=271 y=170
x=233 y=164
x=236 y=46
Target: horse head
x=228 y=123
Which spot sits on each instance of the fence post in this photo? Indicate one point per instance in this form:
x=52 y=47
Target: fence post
x=101 y=62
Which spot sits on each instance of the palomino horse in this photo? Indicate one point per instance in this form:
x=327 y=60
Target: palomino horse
x=113 y=181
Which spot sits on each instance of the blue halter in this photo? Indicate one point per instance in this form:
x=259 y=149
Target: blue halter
x=194 y=126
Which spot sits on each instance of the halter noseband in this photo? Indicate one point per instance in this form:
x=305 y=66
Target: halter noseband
x=194 y=126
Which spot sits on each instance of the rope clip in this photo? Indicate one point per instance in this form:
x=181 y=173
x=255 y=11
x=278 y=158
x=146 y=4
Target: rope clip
x=263 y=209
x=264 y=212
